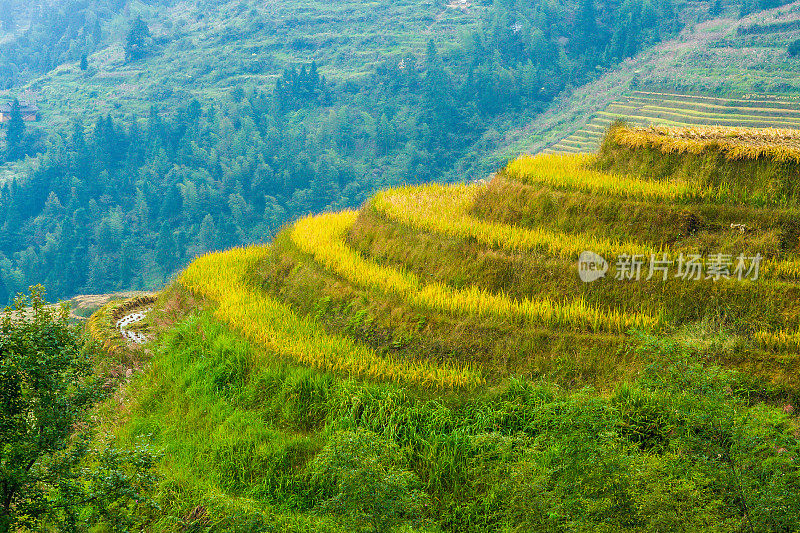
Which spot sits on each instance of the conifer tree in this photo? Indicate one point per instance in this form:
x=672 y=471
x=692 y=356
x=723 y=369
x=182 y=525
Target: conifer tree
x=15 y=137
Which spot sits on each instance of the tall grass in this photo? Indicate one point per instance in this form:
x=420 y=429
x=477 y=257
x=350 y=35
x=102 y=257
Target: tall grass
x=272 y=324
x=323 y=238
x=779 y=340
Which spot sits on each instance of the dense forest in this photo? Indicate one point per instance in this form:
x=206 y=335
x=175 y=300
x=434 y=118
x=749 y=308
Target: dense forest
x=115 y=204
x=53 y=36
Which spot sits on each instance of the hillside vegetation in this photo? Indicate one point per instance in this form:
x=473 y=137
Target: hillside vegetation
x=433 y=361
x=172 y=128
x=697 y=77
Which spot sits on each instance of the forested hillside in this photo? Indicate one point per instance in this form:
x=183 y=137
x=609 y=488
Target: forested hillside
x=170 y=129
x=725 y=59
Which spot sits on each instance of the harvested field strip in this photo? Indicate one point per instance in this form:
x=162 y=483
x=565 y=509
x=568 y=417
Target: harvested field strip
x=647 y=109
x=716 y=100
x=680 y=118
x=714 y=108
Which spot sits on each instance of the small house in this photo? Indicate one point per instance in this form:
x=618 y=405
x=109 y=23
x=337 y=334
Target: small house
x=29 y=112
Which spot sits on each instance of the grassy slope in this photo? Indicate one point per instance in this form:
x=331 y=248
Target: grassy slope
x=424 y=287
x=239 y=439
x=209 y=49
x=240 y=419
x=445 y=287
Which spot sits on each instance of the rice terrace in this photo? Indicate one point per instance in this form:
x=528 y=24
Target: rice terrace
x=645 y=108
x=451 y=321
x=400 y=267
x=503 y=257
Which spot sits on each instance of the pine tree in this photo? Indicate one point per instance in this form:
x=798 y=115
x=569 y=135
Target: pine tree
x=794 y=48
x=193 y=111
x=587 y=23
x=15 y=137
x=137 y=44
x=7 y=19
x=207 y=233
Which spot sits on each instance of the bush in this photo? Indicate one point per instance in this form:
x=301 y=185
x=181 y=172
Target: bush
x=361 y=476
x=794 y=48
x=51 y=474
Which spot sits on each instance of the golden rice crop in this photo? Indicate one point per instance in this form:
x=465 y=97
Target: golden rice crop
x=445 y=209
x=270 y=323
x=779 y=340
x=733 y=143
x=322 y=237
x=573 y=172
x=782 y=270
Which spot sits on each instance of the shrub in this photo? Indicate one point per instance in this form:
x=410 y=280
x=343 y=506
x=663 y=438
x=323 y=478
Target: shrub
x=361 y=476
x=794 y=48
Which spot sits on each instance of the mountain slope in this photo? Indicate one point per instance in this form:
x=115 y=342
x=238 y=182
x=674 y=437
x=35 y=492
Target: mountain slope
x=647 y=108
x=433 y=350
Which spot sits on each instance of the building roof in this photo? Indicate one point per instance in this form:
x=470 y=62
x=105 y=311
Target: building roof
x=24 y=108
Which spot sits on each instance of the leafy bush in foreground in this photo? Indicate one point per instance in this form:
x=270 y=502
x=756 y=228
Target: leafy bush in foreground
x=53 y=473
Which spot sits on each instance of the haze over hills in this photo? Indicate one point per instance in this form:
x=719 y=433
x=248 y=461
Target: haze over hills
x=205 y=50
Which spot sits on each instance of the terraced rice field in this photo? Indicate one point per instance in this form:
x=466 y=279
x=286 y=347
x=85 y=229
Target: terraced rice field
x=428 y=285
x=222 y=277
x=642 y=108
x=322 y=237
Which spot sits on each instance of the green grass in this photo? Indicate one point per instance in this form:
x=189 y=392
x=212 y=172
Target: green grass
x=241 y=439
